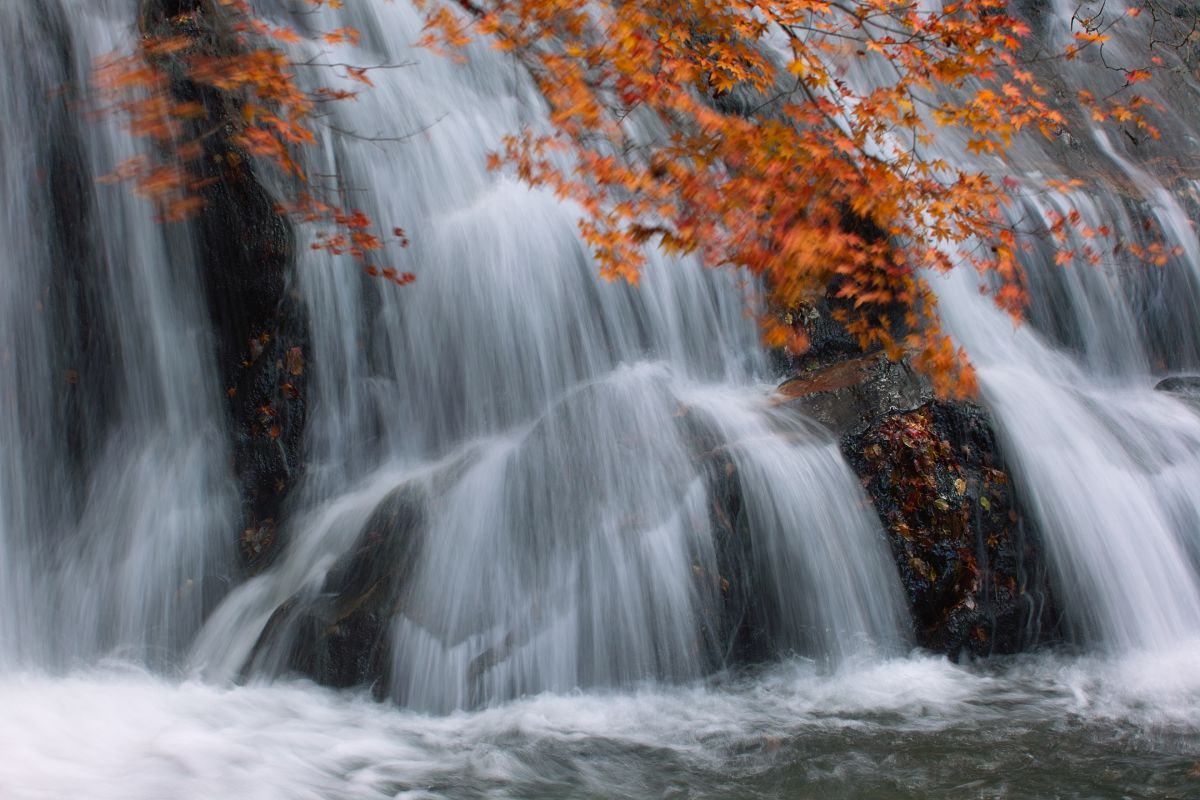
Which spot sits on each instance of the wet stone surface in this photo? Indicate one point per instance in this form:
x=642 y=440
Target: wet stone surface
x=968 y=558
x=969 y=563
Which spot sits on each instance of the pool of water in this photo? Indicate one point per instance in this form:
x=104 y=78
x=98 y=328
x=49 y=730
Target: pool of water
x=918 y=727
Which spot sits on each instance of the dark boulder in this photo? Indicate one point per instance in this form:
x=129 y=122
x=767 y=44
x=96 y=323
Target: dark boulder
x=1185 y=387
x=341 y=636
x=968 y=559
x=737 y=627
x=847 y=395
x=969 y=563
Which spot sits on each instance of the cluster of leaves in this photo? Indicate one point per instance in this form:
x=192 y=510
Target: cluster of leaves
x=224 y=48
x=792 y=139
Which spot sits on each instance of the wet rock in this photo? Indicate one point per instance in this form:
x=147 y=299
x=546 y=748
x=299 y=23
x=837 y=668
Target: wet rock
x=246 y=251
x=829 y=343
x=737 y=629
x=838 y=383
x=740 y=621
x=72 y=300
x=1186 y=387
x=968 y=561
x=847 y=395
x=341 y=637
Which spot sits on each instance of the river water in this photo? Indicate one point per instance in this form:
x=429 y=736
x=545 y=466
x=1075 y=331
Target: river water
x=916 y=727
x=534 y=409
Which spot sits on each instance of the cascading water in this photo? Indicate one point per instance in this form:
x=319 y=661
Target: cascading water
x=532 y=460
x=563 y=533
x=1121 y=520
x=1103 y=461
x=1106 y=463
x=114 y=500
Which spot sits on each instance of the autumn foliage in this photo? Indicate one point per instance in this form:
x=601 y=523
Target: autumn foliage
x=791 y=139
x=223 y=49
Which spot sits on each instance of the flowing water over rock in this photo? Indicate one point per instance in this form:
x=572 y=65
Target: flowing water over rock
x=560 y=434
x=114 y=505
x=1106 y=463
x=550 y=518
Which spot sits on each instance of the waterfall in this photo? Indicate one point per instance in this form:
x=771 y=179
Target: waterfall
x=1106 y=464
x=554 y=442
x=553 y=518
x=546 y=457
x=114 y=496
x=537 y=463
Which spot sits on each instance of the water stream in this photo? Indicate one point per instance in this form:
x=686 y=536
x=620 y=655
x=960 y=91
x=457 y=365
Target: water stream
x=114 y=498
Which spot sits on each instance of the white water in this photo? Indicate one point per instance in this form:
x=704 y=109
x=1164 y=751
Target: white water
x=114 y=500
x=548 y=424
x=917 y=727
x=548 y=420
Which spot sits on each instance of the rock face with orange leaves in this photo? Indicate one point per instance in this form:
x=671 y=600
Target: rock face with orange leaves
x=968 y=559
x=245 y=249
